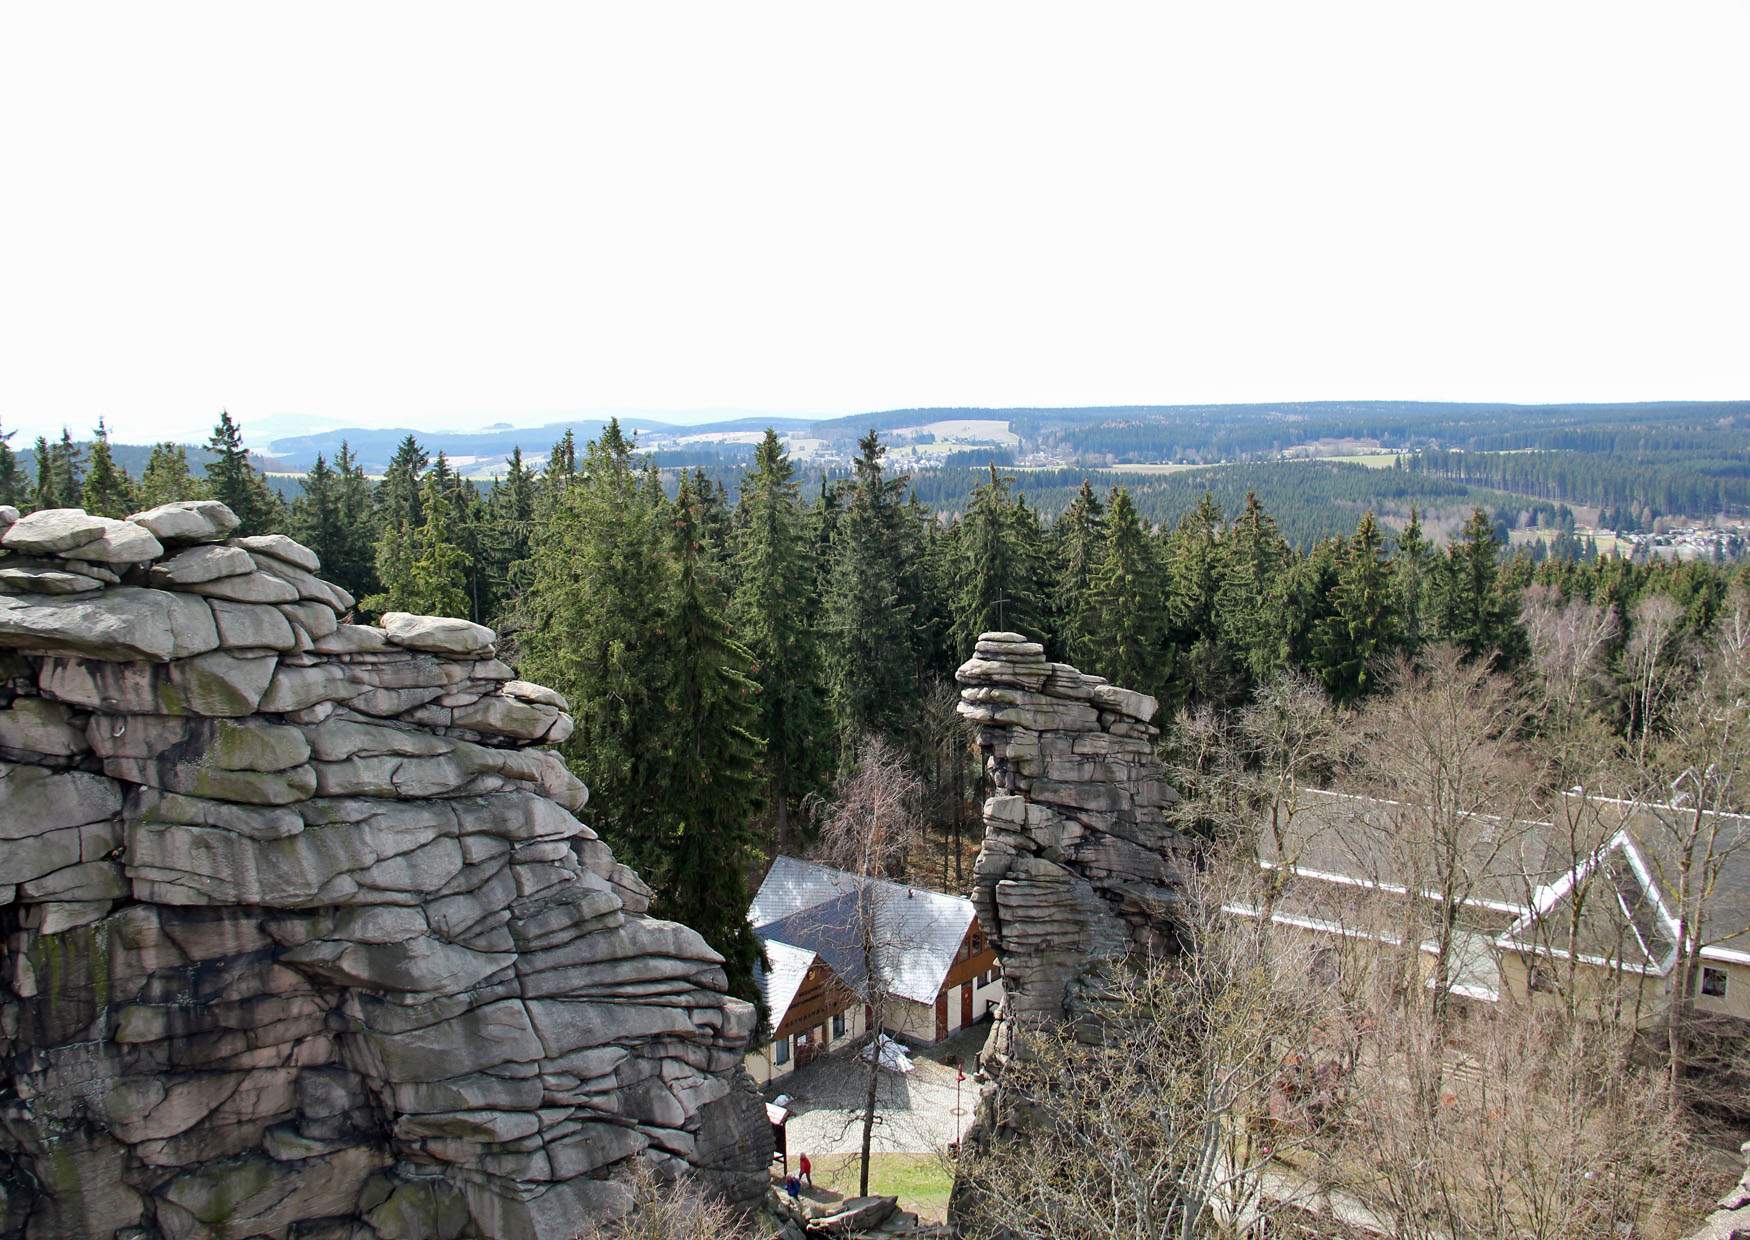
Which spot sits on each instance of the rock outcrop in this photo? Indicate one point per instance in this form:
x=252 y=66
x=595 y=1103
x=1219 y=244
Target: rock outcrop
x=1080 y=867
x=1731 y=1221
x=302 y=936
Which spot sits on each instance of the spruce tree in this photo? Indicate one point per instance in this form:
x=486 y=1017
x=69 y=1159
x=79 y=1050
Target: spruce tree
x=167 y=479
x=510 y=519
x=1205 y=668
x=234 y=482
x=712 y=774
x=561 y=469
x=823 y=524
x=108 y=491
x=12 y=485
x=354 y=563
x=1477 y=613
x=1362 y=628
x=924 y=596
x=43 y=493
x=1129 y=636
x=1306 y=603
x=773 y=610
x=398 y=495
x=66 y=479
x=593 y=623
x=439 y=572
x=1248 y=608
x=1080 y=543
x=997 y=585
x=315 y=515
x=422 y=568
x=1410 y=582
x=868 y=622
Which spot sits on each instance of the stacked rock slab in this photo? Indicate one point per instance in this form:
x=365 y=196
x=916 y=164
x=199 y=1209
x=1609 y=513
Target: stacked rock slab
x=302 y=935
x=1080 y=867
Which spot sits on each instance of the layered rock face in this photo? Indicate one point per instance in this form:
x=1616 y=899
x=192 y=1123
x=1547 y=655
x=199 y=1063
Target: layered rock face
x=1080 y=868
x=302 y=935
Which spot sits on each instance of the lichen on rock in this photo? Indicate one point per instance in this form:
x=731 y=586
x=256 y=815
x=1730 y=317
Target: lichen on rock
x=303 y=936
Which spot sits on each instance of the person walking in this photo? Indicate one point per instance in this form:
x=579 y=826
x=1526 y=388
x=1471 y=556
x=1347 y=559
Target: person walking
x=806 y=1170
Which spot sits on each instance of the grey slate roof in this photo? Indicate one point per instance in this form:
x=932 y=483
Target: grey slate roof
x=1338 y=841
x=918 y=933
x=1339 y=836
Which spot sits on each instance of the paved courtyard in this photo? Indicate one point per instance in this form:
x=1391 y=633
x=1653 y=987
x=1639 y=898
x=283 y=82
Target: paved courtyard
x=916 y=1111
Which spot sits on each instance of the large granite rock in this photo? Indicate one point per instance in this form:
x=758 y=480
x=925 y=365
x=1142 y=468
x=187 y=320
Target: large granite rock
x=1081 y=873
x=1080 y=867
x=303 y=937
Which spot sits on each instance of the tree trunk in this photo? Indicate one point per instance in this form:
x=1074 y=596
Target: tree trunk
x=869 y=1110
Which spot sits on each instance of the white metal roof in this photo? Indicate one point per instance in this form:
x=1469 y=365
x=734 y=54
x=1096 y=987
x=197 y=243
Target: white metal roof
x=779 y=983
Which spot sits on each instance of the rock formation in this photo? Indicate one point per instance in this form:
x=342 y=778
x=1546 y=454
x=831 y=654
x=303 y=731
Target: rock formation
x=1731 y=1221
x=1080 y=867
x=301 y=935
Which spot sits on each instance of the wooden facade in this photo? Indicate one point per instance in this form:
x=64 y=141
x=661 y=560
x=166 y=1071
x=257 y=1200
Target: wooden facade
x=820 y=998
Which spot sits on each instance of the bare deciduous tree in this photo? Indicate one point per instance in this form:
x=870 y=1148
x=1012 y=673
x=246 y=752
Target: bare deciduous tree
x=867 y=831
x=1651 y=659
x=671 y=1209
x=1441 y=751
x=1697 y=833
x=1164 y=1125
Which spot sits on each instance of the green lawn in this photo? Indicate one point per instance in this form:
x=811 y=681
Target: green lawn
x=920 y=1181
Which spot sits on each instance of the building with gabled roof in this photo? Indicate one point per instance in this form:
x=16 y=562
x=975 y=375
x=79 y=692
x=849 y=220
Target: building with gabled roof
x=1349 y=870
x=1617 y=909
x=937 y=965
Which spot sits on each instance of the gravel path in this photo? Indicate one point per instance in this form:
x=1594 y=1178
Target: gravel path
x=915 y=1113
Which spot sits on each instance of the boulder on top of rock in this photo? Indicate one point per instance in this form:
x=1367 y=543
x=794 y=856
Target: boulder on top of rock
x=540 y=695
x=188 y=521
x=121 y=543
x=121 y=623
x=202 y=563
x=44 y=577
x=8 y=515
x=53 y=530
x=437 y=634
x=1139 y=706
x=281 y=548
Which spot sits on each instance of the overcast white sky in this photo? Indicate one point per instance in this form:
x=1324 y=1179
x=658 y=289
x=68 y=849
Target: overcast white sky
x=440 y=214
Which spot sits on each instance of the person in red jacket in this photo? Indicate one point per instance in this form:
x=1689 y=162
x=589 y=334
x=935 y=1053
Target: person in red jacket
x=806 y=1170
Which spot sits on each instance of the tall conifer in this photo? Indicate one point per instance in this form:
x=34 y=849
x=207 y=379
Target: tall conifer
x=166 y=478
x=1080 y=536
x=1362 y=628
x=1131 y=627
x=236 y=483
x=107 y=490
x=868 y=622
x=774 y=610
x=594 y=623
x=997 y=585
x=711 y=781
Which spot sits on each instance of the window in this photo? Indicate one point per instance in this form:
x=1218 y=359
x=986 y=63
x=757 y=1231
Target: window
x=781 y=1051
x=1713 y=983
x=838 y=1025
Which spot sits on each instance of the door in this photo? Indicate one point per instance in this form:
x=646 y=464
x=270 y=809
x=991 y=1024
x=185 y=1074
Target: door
x=965 y=1004
x=941 y=1017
